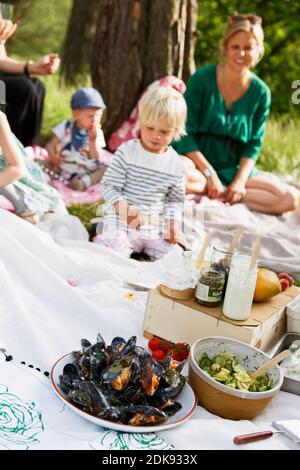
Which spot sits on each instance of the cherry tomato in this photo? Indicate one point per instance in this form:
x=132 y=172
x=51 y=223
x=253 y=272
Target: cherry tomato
x=153 y=343
x=183 y=354
x=158 y=354
x=175 y=354
x=166 y=345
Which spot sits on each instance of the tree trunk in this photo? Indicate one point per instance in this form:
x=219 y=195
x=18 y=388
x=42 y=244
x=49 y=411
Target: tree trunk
x=137 y=42
x=79 y=41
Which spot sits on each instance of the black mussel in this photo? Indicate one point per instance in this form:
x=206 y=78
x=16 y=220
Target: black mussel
x=71 y=371
x=116 y=347
x=167 y=393
x=84 y=363
x=141 y=353
x=171 y=407
x=118 y=374
x=98 y=400
x=65 y=383
x=100 y=341
x=172 y=377
x=151 y=373
x=144 y=415
x=80 y=398
x=85 y=344
x=128 y=347
x=167 y=361
x=135 y=395
x=114 y=414
x=98 y=361
x=77 y=355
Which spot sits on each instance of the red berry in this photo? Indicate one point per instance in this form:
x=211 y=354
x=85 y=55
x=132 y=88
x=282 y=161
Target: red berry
x=153 y=343
x=284 y=283
x=158 y=354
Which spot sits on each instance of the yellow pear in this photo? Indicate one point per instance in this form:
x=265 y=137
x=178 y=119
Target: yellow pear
x=267 y=285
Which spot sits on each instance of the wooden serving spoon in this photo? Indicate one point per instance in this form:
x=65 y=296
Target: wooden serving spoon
x=271 y=363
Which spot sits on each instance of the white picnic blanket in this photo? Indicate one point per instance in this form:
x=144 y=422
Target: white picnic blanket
x=42 y=318
x=280 y=234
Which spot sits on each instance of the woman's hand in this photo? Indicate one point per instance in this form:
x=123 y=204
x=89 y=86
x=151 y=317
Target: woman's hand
x=214 y=186
x=7 y=29
x=235 y=192
x=46 y=65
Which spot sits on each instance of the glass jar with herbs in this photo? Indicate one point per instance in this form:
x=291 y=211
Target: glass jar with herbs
x=221 y=261
x=210 y=287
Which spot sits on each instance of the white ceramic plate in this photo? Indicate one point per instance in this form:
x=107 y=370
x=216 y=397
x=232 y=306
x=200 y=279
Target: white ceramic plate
x=187 y=398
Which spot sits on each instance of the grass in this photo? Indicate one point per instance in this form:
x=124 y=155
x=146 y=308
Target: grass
x=281 y=150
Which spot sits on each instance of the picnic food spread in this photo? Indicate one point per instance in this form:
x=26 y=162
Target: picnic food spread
x=122 y=383
x=226 y=369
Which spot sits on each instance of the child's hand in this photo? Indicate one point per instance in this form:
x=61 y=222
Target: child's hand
x=173 y=233
x=134 y=218
x=93 y=132
x=130 y=214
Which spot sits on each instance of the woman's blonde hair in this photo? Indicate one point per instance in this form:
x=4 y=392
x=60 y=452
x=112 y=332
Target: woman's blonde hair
x=164 y=103
x=250 y=24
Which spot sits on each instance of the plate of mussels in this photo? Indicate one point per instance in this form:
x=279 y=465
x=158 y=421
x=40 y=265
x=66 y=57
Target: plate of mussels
x=120 y=386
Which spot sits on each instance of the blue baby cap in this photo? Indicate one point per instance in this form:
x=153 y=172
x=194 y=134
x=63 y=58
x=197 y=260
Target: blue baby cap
x=87 y=98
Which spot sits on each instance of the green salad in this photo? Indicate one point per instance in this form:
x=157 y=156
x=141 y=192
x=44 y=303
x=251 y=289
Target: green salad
x=226 y=369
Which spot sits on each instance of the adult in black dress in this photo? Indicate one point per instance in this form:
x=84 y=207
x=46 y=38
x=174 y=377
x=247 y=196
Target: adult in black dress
x=25 y=94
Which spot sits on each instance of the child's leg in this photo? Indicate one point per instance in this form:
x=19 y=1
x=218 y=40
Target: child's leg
x=80 y=183
x=17 y=201
x=157 y=247
x=12 y=195
x=96 y=176
x=115 y=239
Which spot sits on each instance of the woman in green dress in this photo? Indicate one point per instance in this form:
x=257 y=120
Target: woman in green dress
x=228 y=106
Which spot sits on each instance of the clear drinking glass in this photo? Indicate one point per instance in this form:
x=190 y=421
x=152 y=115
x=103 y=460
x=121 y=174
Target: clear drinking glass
x=240 y=288
x=6 y=11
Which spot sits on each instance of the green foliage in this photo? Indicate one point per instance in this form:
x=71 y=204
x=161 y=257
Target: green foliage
x=280 y=65
x=42 y=26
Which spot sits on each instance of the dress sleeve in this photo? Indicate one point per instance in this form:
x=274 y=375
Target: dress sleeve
x=253 y=147
x=194 y=98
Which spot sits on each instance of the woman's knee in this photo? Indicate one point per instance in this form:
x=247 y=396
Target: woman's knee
x=32 y=87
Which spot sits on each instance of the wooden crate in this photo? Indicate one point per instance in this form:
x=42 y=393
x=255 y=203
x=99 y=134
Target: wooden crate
x=187 y=321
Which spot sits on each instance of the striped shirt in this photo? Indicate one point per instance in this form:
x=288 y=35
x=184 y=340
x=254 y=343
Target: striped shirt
x=151 y=182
